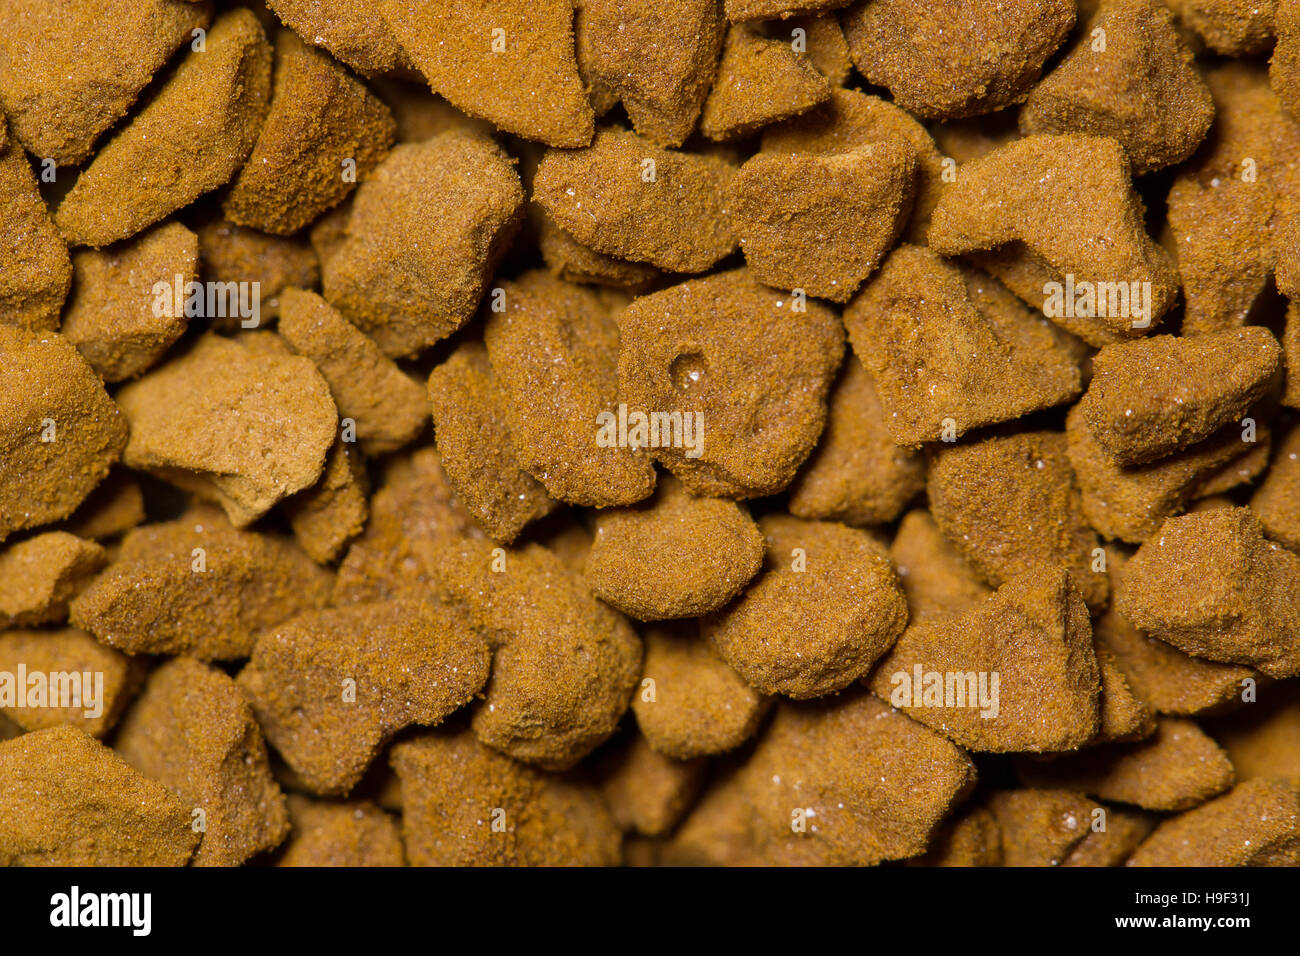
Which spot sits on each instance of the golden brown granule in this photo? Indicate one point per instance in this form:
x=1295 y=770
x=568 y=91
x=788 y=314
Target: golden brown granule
x=951 y=350
x=350 y=29
x=324 y=132
x=769 y=9
x=969 y=838
x=825 y=608
x=674 y=555
x=113 y=508
x=649 y=793
x=37 y=273
x=1042 y=827
x=326 y=833
x=70 y=801
x=571 y=261
x=330 y=687
x=821 y=224
x=191 y=138
x=511 y=62
x=759 y=81
x=68 y=654
x=230 y=253
x=38 y=576
x=198 y=586
x=467 y=805
x=818 y=35
x=423 y=236
x=1263 y=739
x=70 y=70
x=1277 y=501
x=113 y=317
x=937 y=580
x=1125 y=830
x=59 y=430
x=1124 y=716
x=1229 y=27
x=192 y=730
x=1011 y=502
x=751 y=368
x=325 y=517
x=1256 y=824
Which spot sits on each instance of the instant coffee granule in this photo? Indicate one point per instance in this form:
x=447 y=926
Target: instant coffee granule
x=591 y=432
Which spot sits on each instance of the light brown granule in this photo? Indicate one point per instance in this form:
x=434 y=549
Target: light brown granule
x=949 y=58
x=326 y=833
x=350 y=29
x=674 y=556
x=424 y=234
x=113 y=508
x=59 y=430
x=969 y=838
x=648 y=793
x=1229 y=27
x=769 y=9
x=330 y=687
x=1277 y=502
x=191 y=138
x=937 y=580
x=383 y=402
x=1263 y=740
x=324 y=132
x=571 y=261
x=1256 y=824
x=1042 y=827
x=38 y=576
x=198 y=586
x=826 y=606
x=753 y=371
x=58 y=656
x=70 y=801
x=193 y=731
x=822 y=224
x=759 y=81
x=113 y=317
x=690 y=703
x=230 y=253
x=511 y=62
x=325 y=517
x=70 y=70
x=236 y=425
x=37 y=272
x=625 y=197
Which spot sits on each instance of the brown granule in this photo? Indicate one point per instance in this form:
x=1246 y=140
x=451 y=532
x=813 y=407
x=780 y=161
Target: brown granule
x=1229 y=27
x=690 y=703
x=1263 y=740
x=571 y=261
x=1256 y=824
x=325 y=833
x=191 y=138
x=822 y=39
x=193 y=731
x=1277 y=501
x=68 y=651
x=40 y=575
x=230 y=253
x=759 y=81
x=1042 y=827
x=325 y=517
x=738 y=10
x=112 y=317
x=648 y=793
x=350 y=29
x=937 y=580
x=113 y=508
x=1125 y=830
x=37 y=273
x=321 y=119
x=971 y=838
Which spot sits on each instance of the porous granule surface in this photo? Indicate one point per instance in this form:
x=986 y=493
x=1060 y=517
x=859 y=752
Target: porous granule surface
x=689 y=432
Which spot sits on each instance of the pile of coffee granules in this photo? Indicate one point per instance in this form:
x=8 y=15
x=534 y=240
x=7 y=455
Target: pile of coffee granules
x=723 y=432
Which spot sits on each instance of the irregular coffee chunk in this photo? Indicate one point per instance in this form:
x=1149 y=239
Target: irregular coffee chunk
x=113 y=508
x=570 y=260
x=1277 y=502
x=849 y=784
x=1256 y=824
x=474 y=440
x=827 y=606
x=1229 y=27
x=37 y=272
x=648 y=793
x=1042 y=827
x=1131 y=503
x=324 y=132
x=40 y=575
x=1103 y=279
x=231 y=253
x=759 y=81
x=852 y=119
x=127 y=306
x=511 y=63
x=677 y=556
x=70 y=801
x=935 y=577
x=690 y=703
x=1177 y=768
x=752 y=372
x=356 y=833
x=464 y=804
x=554 y=355
x=70 y=70
x=329 y=687
x=1263 y=740
x=1015 y=673
x=1009 y=502
x=349 y=29
x=328 y=515
x=856 y=474
x=626 y=197
x=952 y=351
x=1212 y=585
x=1150 y=399
x=193 y=731
x=1125 y=830
x=1227 y=205
x=662 y=84
x=1124 y=716
x=384 y=402
x=1135 y=81
x=191 y=138
x=242 y=427
x=198 y=586
x=1170 y=681
x=969 y=839
x=71 y=679
x=424 y=234
x=1284 y=67
x=59 y=430
x=564 y=665
x=822 y=223
x=952 y=58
